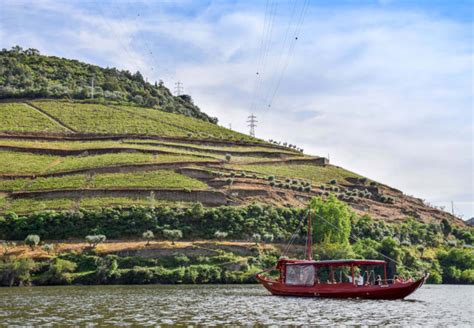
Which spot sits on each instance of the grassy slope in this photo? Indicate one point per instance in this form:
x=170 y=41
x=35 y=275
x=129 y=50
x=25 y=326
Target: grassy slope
x=26 y=163
x=153 y=179
x=108 y=119
x=316 y=174
x=19 y=117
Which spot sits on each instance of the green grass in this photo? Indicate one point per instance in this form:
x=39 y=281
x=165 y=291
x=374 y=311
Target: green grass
x=249 y=148
x=23 y=206
x=20 y=163
x=153 y=179
x=19 y=117
x=25 y=163
x=317 y=174
x=95 y=118
x=199 y=128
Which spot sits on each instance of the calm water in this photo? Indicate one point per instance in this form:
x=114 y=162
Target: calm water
x=218 y=305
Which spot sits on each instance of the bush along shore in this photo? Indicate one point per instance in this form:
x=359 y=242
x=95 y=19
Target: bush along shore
x=216 y=245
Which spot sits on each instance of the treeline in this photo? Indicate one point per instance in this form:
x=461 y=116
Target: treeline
x=90 y=269
x=28 y=74
x=441 y=249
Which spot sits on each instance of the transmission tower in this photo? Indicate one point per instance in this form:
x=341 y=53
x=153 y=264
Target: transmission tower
x=178 y=88
x=252 y=124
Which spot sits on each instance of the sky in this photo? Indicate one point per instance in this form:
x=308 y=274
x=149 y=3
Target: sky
x=383 y=88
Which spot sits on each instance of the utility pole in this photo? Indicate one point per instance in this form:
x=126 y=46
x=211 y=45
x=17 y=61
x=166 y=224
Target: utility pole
x=252 y=124
x=92 y=86
x=178 y=88
x=452 y=208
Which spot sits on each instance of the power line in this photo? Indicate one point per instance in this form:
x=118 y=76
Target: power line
x=252 y=124
x=290 y=52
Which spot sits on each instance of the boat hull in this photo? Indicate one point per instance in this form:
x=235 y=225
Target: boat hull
x=343 y=290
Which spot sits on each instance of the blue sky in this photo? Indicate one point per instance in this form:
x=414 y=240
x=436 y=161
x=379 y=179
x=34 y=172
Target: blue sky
x=385 y=88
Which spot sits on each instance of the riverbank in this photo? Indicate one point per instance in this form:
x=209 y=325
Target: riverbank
x=136 y=262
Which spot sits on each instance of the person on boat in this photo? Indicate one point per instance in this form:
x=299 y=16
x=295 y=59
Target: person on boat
x=349 y=278
x=360 y=280
x=378 y=280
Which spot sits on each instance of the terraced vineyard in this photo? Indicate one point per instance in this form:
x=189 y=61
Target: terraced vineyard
x=64 y=155
x=19 y=117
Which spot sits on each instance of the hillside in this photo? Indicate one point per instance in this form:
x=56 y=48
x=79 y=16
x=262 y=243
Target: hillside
x=113 y=170
x=59 y=154
x=28 y=74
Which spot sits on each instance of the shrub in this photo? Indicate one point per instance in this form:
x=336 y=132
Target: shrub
x=7 y=245
x=58 y=272
x=48 y=248
x=228 y=157
x=172 y=235
x=256 y=238
x=268 y=237
x=272 y=183
x=333 y=181
x=373 y=183
x=32 y=241
x=229 y=181
x=287 y=180
x=232 y=174
x=94 y=240
x=16 y=272
x=271 y=178
x=220 y=235
x=322 y=187
x=148 y=236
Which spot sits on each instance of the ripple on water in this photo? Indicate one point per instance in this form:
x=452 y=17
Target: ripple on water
x=225 y=305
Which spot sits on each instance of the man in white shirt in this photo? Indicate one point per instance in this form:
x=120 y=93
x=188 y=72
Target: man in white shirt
x=360 y=280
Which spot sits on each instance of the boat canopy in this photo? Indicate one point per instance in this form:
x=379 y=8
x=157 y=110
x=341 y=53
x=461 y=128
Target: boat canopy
x=333 y=263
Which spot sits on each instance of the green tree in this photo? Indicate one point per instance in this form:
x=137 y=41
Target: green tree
x=16 y=272
x=331 y=220
x=94 y=240
x=58 y=272
x=172 y=235
x=48 y=248
x=32 y=241
x=148 y=236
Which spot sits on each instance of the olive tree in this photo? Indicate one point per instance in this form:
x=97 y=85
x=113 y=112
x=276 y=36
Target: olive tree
x=48 y=248
x=220 y=235
x=172 y=234
x=32 y=241
x=94 y=240
x=148 y=236
x=256 y=238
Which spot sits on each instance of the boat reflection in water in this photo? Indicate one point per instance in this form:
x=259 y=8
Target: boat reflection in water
x=335 y=278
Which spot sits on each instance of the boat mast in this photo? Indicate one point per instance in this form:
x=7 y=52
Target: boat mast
x=309 y=238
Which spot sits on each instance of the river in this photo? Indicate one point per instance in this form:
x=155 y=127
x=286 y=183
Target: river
x=432 y=305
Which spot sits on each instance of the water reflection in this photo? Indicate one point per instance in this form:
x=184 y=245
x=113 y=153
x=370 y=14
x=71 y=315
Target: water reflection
x=225 y=305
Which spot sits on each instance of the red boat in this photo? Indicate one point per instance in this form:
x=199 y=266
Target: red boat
x=336 y=278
